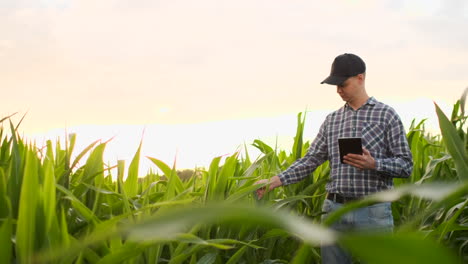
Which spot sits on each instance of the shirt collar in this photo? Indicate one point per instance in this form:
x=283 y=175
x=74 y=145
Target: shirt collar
x=371 y=101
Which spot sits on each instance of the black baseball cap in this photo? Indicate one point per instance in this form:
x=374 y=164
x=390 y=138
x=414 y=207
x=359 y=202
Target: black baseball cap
x=345 y=66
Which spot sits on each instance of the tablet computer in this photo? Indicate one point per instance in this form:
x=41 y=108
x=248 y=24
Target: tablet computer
x=349 y=145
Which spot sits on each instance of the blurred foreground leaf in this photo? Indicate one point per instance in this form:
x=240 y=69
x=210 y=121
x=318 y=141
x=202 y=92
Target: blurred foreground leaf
x=397 y=248
x=441 y=192
x=170 y=224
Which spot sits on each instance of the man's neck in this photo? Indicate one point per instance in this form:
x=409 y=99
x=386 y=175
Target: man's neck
x=358 y=102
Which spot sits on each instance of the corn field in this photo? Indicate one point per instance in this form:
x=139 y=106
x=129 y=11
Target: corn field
x=59 y=209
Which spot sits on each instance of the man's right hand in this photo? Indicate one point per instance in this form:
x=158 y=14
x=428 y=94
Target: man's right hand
x=272 y=183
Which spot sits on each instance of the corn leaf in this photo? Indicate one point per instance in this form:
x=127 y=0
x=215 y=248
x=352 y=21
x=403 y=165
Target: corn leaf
x=25 y=230
x=228 y=170
x=212 y=179
x=4 y=200
x=440 y=192
x=298 y=141
x=237 y=256
x=405 y=248
x=302 y=255
x=49 y=192
x=127 y=251
x=131 y=183
x=5 y=240
x=454 y=143
x=168 y=225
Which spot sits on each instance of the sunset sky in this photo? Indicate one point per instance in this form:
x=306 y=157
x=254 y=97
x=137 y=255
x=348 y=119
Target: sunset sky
x=199 y=77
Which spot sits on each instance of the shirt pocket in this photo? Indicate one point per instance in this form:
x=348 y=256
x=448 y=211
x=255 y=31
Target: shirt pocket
x=373 y=136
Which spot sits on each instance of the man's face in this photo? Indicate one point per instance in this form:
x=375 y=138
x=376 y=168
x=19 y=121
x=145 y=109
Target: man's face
x=350 y=88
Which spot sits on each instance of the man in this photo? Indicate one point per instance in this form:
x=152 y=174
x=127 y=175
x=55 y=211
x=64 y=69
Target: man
x=385 y=154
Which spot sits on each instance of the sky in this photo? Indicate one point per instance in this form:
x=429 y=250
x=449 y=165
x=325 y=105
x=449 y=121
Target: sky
x=196 y=79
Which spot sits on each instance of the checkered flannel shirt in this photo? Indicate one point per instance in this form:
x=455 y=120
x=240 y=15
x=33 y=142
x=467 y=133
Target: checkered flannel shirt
x=382 y=133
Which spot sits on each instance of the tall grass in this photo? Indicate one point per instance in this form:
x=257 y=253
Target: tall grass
x=52 y=210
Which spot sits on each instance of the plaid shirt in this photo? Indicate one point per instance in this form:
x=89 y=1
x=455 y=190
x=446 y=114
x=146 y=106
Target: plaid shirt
x=382 y=133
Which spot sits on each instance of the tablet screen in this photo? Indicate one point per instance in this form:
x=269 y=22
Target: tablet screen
x=349 y=145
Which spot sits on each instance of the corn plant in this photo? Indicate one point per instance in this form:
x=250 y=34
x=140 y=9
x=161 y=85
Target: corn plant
x=59 y=209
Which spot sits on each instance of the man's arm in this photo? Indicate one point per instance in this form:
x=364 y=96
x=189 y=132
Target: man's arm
x=400 y=164
x=303 y=167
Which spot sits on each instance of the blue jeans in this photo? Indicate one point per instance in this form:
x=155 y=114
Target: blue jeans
x=377 y=217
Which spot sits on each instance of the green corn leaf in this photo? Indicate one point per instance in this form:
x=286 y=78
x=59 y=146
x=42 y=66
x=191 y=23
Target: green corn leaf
x=70 y=145
x=49 y=191
x=404 y=248
x=93 y=168
x=127 y=251
x=180 y=253
x=209 y=258
x=212 y=179
x=15 y=170
x=4 y=200
x=120 y=175
x=463 y=101
x=94 y=164
x=20 y=121
x=274 y=233
x=102 y=231
x=175 y=188
x=246 y=161
x=298 y=141
x=237 y=256
x=262 y=146
x=7 y=117
x=5 y=148
x=455 y=110
x=5 y=240
x=292 y=200
x=166 y=170
x=451 y=225
x=179 y=258
x=82 y=153
x=242 y=192
x=257 y=164
x=29 y=198
x=216 y=243
x=454 y=143
x=78 y=205
x=228 y=170
x=120 y=184
x=65 y=237
x=168 y=225
x=131 y=183
x=302 y=255
x=49 y=152
x=174 y=184
x=432 y=191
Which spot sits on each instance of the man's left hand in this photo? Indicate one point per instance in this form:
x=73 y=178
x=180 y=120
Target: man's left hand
x=363 y=162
